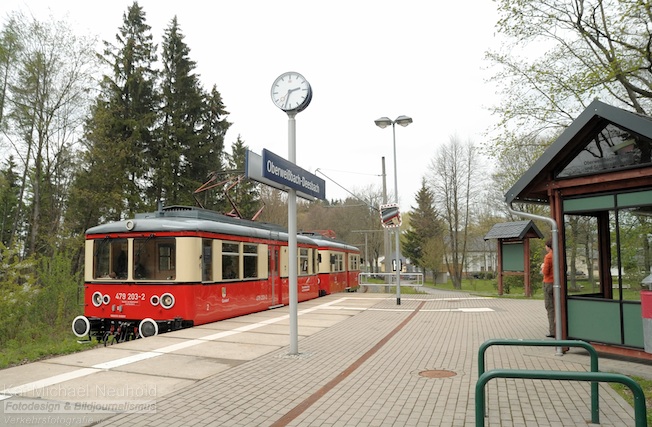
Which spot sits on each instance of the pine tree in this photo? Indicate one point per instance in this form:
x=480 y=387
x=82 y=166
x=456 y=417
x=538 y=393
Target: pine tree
x=205 y=160
x=114 y=178
x=245 y=194
x=180 y=136
x=424 y=228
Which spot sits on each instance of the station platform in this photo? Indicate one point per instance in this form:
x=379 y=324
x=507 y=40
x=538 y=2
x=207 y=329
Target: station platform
x=363 y=360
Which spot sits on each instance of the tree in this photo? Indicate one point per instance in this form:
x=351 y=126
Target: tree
x=275 y=205
x=179 y=136
x=207 y=157
x=452 y=177
x=10 y=46
x=113 y=177
x=424 y=228
x=9 y=190
x=244 y=194
x=589 y=48
x=47 y=78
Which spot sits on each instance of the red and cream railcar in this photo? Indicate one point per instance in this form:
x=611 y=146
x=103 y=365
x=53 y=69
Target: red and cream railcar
x=182 y=266
x=339 y=265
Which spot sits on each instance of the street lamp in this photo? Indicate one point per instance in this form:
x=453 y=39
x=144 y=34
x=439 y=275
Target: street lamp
x=382 y=123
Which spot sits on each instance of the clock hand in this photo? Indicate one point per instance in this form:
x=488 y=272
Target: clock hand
x=287 y=98
x=288 y=95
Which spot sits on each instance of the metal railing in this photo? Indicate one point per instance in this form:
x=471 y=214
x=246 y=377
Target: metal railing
x=594 y=376
x=640 y=412
x=595 y=410
x=389 y=279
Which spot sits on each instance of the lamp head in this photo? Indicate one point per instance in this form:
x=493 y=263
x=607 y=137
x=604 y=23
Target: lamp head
x=383 y=122
x=403 y=120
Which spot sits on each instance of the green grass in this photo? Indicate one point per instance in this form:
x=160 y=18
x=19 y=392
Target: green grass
x=483 y=287
x=25 y=351
x=646 y=385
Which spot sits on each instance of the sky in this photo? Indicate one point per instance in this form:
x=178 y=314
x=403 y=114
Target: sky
x=364 y=60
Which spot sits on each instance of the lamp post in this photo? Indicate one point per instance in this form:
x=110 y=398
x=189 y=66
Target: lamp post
x=382 y=123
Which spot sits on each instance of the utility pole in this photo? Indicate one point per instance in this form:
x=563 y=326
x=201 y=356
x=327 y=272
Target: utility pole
x=386 y=231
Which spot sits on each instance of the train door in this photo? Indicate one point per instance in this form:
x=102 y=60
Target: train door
x=274 y=276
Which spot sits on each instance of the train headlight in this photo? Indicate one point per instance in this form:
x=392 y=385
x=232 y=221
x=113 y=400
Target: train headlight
x=97 y=299
x=147 y=328
x=106 y=299
x=167 y=300
x=154 y=300
x=81 y=326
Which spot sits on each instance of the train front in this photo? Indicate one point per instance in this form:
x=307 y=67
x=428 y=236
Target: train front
x=131 y=284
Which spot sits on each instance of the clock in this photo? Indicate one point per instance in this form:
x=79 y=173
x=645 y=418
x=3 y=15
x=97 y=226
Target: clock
x=291 y=92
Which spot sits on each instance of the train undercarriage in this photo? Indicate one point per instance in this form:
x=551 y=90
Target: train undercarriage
x=111 y=331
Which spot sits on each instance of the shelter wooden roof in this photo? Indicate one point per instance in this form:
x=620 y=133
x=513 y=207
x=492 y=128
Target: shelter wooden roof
x=516 y=230
x=589 y=126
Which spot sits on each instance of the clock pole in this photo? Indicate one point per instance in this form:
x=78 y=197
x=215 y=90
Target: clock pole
x=292 y=240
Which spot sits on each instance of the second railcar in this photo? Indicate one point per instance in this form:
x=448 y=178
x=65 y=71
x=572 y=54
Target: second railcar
x=339 y=265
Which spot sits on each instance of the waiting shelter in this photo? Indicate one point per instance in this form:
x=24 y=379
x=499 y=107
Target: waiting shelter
x=596 y=177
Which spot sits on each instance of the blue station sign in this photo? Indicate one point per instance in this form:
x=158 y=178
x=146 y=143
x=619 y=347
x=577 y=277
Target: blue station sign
x=281 y=171
x=277 y=172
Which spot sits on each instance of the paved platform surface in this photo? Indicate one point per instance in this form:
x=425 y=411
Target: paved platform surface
x=363 y=360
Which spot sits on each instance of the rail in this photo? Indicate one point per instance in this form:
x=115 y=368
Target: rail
x=389 y=279
x=595 y=409
x=640 y=412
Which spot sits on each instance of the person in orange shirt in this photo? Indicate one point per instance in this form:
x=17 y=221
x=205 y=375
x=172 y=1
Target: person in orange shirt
x=548 y=292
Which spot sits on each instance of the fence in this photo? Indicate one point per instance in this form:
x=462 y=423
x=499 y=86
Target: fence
x=389 y=279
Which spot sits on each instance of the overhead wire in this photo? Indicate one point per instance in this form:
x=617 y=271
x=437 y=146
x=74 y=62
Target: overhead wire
x=345 y=189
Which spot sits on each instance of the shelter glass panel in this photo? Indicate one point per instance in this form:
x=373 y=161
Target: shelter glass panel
x=611 y=149
x=581 y=239
x=631 y=263
x=629 y=241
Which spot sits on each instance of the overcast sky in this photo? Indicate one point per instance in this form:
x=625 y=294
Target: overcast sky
x=363 y=59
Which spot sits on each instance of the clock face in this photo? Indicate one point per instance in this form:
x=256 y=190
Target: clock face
x=291 y=92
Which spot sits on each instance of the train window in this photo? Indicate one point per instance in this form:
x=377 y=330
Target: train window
x=303 y=261
x=230 y=260
x=166 y=259
x=154 y=258
x=337 y=263
x=207 y=260
x=110 y=259
x=250 y=260
x=353 y=262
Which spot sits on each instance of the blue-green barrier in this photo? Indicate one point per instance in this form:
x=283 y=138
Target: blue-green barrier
x=640 y=412
x=595 y=409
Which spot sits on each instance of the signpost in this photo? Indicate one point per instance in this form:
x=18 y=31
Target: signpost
x=390 y=217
